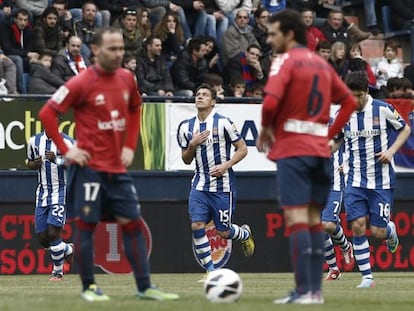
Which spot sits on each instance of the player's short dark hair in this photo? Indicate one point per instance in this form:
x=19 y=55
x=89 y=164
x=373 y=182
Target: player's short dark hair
x=357 y=81
x=97 y=37
x=290 y=20
x=208 y=87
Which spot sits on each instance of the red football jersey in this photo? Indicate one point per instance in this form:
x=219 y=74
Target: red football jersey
x=303 y=85
x=101 y=103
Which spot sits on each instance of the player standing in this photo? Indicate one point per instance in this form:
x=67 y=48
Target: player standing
x=369 y=191
x=295 y=117
x=106 y=106
x=331 y=221
x=50 y=210
x=208 y=138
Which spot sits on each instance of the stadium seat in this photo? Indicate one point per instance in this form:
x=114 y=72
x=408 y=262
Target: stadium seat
x=388 y=31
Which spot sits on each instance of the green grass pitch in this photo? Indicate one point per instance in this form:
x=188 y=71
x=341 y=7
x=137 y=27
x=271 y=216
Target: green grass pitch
x=394 y=292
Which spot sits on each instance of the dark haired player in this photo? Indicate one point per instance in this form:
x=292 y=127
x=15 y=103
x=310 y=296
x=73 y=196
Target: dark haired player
x=295 y=117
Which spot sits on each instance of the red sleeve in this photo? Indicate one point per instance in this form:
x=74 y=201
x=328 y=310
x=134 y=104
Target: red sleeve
x=134 y=118
x=348 y=106
x=133 y=129
x=269 y=110
x=372 y=80
x=49 y=116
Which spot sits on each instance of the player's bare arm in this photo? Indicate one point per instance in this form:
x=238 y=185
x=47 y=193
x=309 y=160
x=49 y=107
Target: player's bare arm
x=239 y=154
x=78 y=156
x=127 y=156
x=334 y=144
x=197 y=139
x=387 y=155
x=265 y=139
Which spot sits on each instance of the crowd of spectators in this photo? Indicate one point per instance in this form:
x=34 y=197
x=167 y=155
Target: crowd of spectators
x=174 y=46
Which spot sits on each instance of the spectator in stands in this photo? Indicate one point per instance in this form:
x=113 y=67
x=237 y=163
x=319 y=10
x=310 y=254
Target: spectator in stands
x=216 y=82
x=217 y=21
x=17 y=42
x=261 y=17
x=129 y=62
x=338 y=59
x=238 y=37
x=313 y=34
x=144 y=23
x=407 y=87
x=358 y=63
x=212 y=55
x=116 y=8
x=247 y=65
x=409 y=73
x=102 y=16
x=69 y=62
x=257 y=90
x=193 y=18
x=237 y=87
x=8 y=73
x=389 y=66
x=394 y=88
x=402 y=13
x=65 y=18
x=159 y=8
x=86 y=27
x=336 y=28
x=47 y=34
x=323 y=49
x=34 y=7
x=152 y=71
x=42 y=80
x=189 y=69
x=128 y=24
x=231 y=7
x=6 y=11
x=170 y=32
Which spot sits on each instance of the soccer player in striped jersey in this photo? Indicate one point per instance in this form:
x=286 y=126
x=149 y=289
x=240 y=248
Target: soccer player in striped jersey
x=50 y=210
x=208 y=138
x=370 y=183
x=331 y=221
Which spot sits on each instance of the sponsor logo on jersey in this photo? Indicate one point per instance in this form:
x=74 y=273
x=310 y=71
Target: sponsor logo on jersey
x=220 y=248
x=115 y=125
x=363 y=133
x=100 y=100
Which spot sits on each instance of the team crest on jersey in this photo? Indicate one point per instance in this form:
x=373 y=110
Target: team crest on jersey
x=126 y=96
x=99 y=100
x=60 y=94
x=220 y=248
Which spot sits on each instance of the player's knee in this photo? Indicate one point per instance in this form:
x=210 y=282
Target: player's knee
x=358 y=228
x=197 y=225
x=53 y=233
x=43 y=239
x=329 y=227
x=133 y=226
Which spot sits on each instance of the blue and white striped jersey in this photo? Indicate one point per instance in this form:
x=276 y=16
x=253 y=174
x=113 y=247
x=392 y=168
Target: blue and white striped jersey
x=215 y=151
x=51 y=188
x=366 y=134
x=339 y=160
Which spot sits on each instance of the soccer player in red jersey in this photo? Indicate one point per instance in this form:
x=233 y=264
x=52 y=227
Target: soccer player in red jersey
x=106 y=105
x=295 y=115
